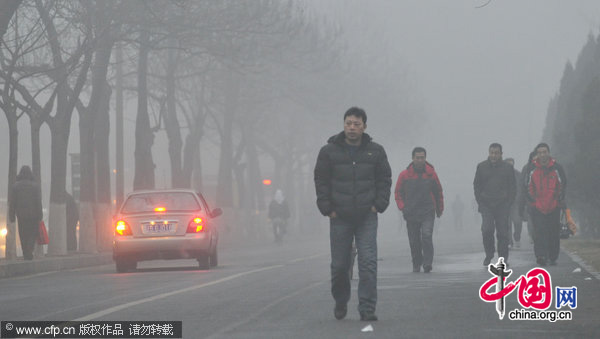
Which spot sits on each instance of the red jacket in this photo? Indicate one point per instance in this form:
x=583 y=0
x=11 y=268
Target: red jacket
x=546 y=186
x=419 y=193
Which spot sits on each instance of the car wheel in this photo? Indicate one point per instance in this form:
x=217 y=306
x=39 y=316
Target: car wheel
x=214 y=259
x=125 y=265
x=203 y=262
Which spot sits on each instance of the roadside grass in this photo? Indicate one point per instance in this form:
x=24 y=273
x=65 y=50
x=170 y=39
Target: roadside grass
x=586 y=248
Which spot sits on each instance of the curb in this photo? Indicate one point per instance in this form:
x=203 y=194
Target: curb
x=581 y=263
x=14 y=268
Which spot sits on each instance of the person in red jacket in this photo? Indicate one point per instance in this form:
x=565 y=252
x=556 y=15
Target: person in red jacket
x=546 y=186
x=419 y=196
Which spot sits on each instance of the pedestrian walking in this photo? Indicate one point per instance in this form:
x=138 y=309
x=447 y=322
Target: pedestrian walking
x=458 y=208
x=419 y=196
x=522 y=198
x=546 y=188
x=72 y=220
x=353 y=180
x=495 y=190
x=515 y=222
x=25 y=205
x=279 y=213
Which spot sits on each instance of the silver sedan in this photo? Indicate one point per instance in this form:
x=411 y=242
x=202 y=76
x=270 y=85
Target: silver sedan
x=165 y=224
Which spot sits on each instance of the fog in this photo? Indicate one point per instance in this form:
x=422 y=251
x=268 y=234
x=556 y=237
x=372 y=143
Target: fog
x=472 y=75
x=483 y=74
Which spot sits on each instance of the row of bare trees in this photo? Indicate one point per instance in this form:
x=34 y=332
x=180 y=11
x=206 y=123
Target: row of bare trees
x=253 y=78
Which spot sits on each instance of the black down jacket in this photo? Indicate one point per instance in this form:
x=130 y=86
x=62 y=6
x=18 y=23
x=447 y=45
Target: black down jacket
x=350 y=185
x=25 y=203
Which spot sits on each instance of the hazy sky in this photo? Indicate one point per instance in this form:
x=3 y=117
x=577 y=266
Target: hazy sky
x=485 y=75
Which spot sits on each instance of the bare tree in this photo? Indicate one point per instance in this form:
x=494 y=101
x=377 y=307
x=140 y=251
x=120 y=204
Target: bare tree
x=7 y=10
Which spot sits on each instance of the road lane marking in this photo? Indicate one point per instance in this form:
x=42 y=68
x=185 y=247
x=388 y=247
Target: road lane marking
x=306 y=258
x=187 y=289
x=168 y=294
x=263 y=310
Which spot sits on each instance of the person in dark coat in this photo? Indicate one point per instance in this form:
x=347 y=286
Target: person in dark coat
x=72 y=220
x=25 y=204
x=515 y=222
x=353 y=180
x=495 y=190
x=419 y=196
x=522 y=198
x=279 y=213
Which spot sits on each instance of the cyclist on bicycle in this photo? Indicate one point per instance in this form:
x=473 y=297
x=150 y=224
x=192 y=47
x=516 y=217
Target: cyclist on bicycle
x=279 y=213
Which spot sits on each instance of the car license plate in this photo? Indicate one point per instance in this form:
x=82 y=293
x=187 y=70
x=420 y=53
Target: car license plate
x=159 y=228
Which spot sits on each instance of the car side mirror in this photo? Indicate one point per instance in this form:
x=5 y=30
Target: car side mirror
x=216 y=212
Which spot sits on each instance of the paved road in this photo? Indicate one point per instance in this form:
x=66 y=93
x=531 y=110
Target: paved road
x=265 y=290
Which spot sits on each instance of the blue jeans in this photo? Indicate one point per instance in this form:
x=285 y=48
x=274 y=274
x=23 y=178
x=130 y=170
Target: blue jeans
x=341 y=234
x=420 y=237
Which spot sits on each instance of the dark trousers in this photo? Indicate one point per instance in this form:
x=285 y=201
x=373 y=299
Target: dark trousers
x=364 y=233
x=546 y=227
x=516 y=224
x=420 y=237
x=495 y=220
x=28 y=232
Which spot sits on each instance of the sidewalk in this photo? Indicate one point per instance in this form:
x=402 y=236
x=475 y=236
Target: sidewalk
x=19 y=267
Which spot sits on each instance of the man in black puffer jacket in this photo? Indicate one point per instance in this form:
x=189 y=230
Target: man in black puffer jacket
x=353 y=180
x=495 y=190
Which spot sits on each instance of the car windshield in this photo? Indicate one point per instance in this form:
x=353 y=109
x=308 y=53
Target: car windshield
x=168 y=201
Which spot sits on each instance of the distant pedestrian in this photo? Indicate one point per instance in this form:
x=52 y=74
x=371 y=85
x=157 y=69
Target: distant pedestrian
x=495 y=190
x=26 y=205
x=279 y=213
x=72 y=220
x=419 y=196
x=522 y=198
x=458 y=208
x=546 y=188
x=515 y=221
x=353 y=180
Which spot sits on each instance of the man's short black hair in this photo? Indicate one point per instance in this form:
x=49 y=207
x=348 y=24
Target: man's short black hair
x=542 y=144
x=496 y=145
x=357 y=112
x=418 y=149
x=531 y=156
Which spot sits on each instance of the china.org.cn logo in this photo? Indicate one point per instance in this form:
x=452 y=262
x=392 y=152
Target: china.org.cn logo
x=534 y=294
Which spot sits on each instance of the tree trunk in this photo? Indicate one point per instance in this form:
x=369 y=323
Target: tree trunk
x=144 y=137
x=103 y=211
x=10 y=251
x=35 y=151
x=191 y=154
x=120 y=177
x=36 y=167
x=224 y=185
x=197 y=171
x=171 y=122
x=57 y=233
x=257 y=196
x=60 y=126
x=7 y=10
x=87 y=188
x=101 y=108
